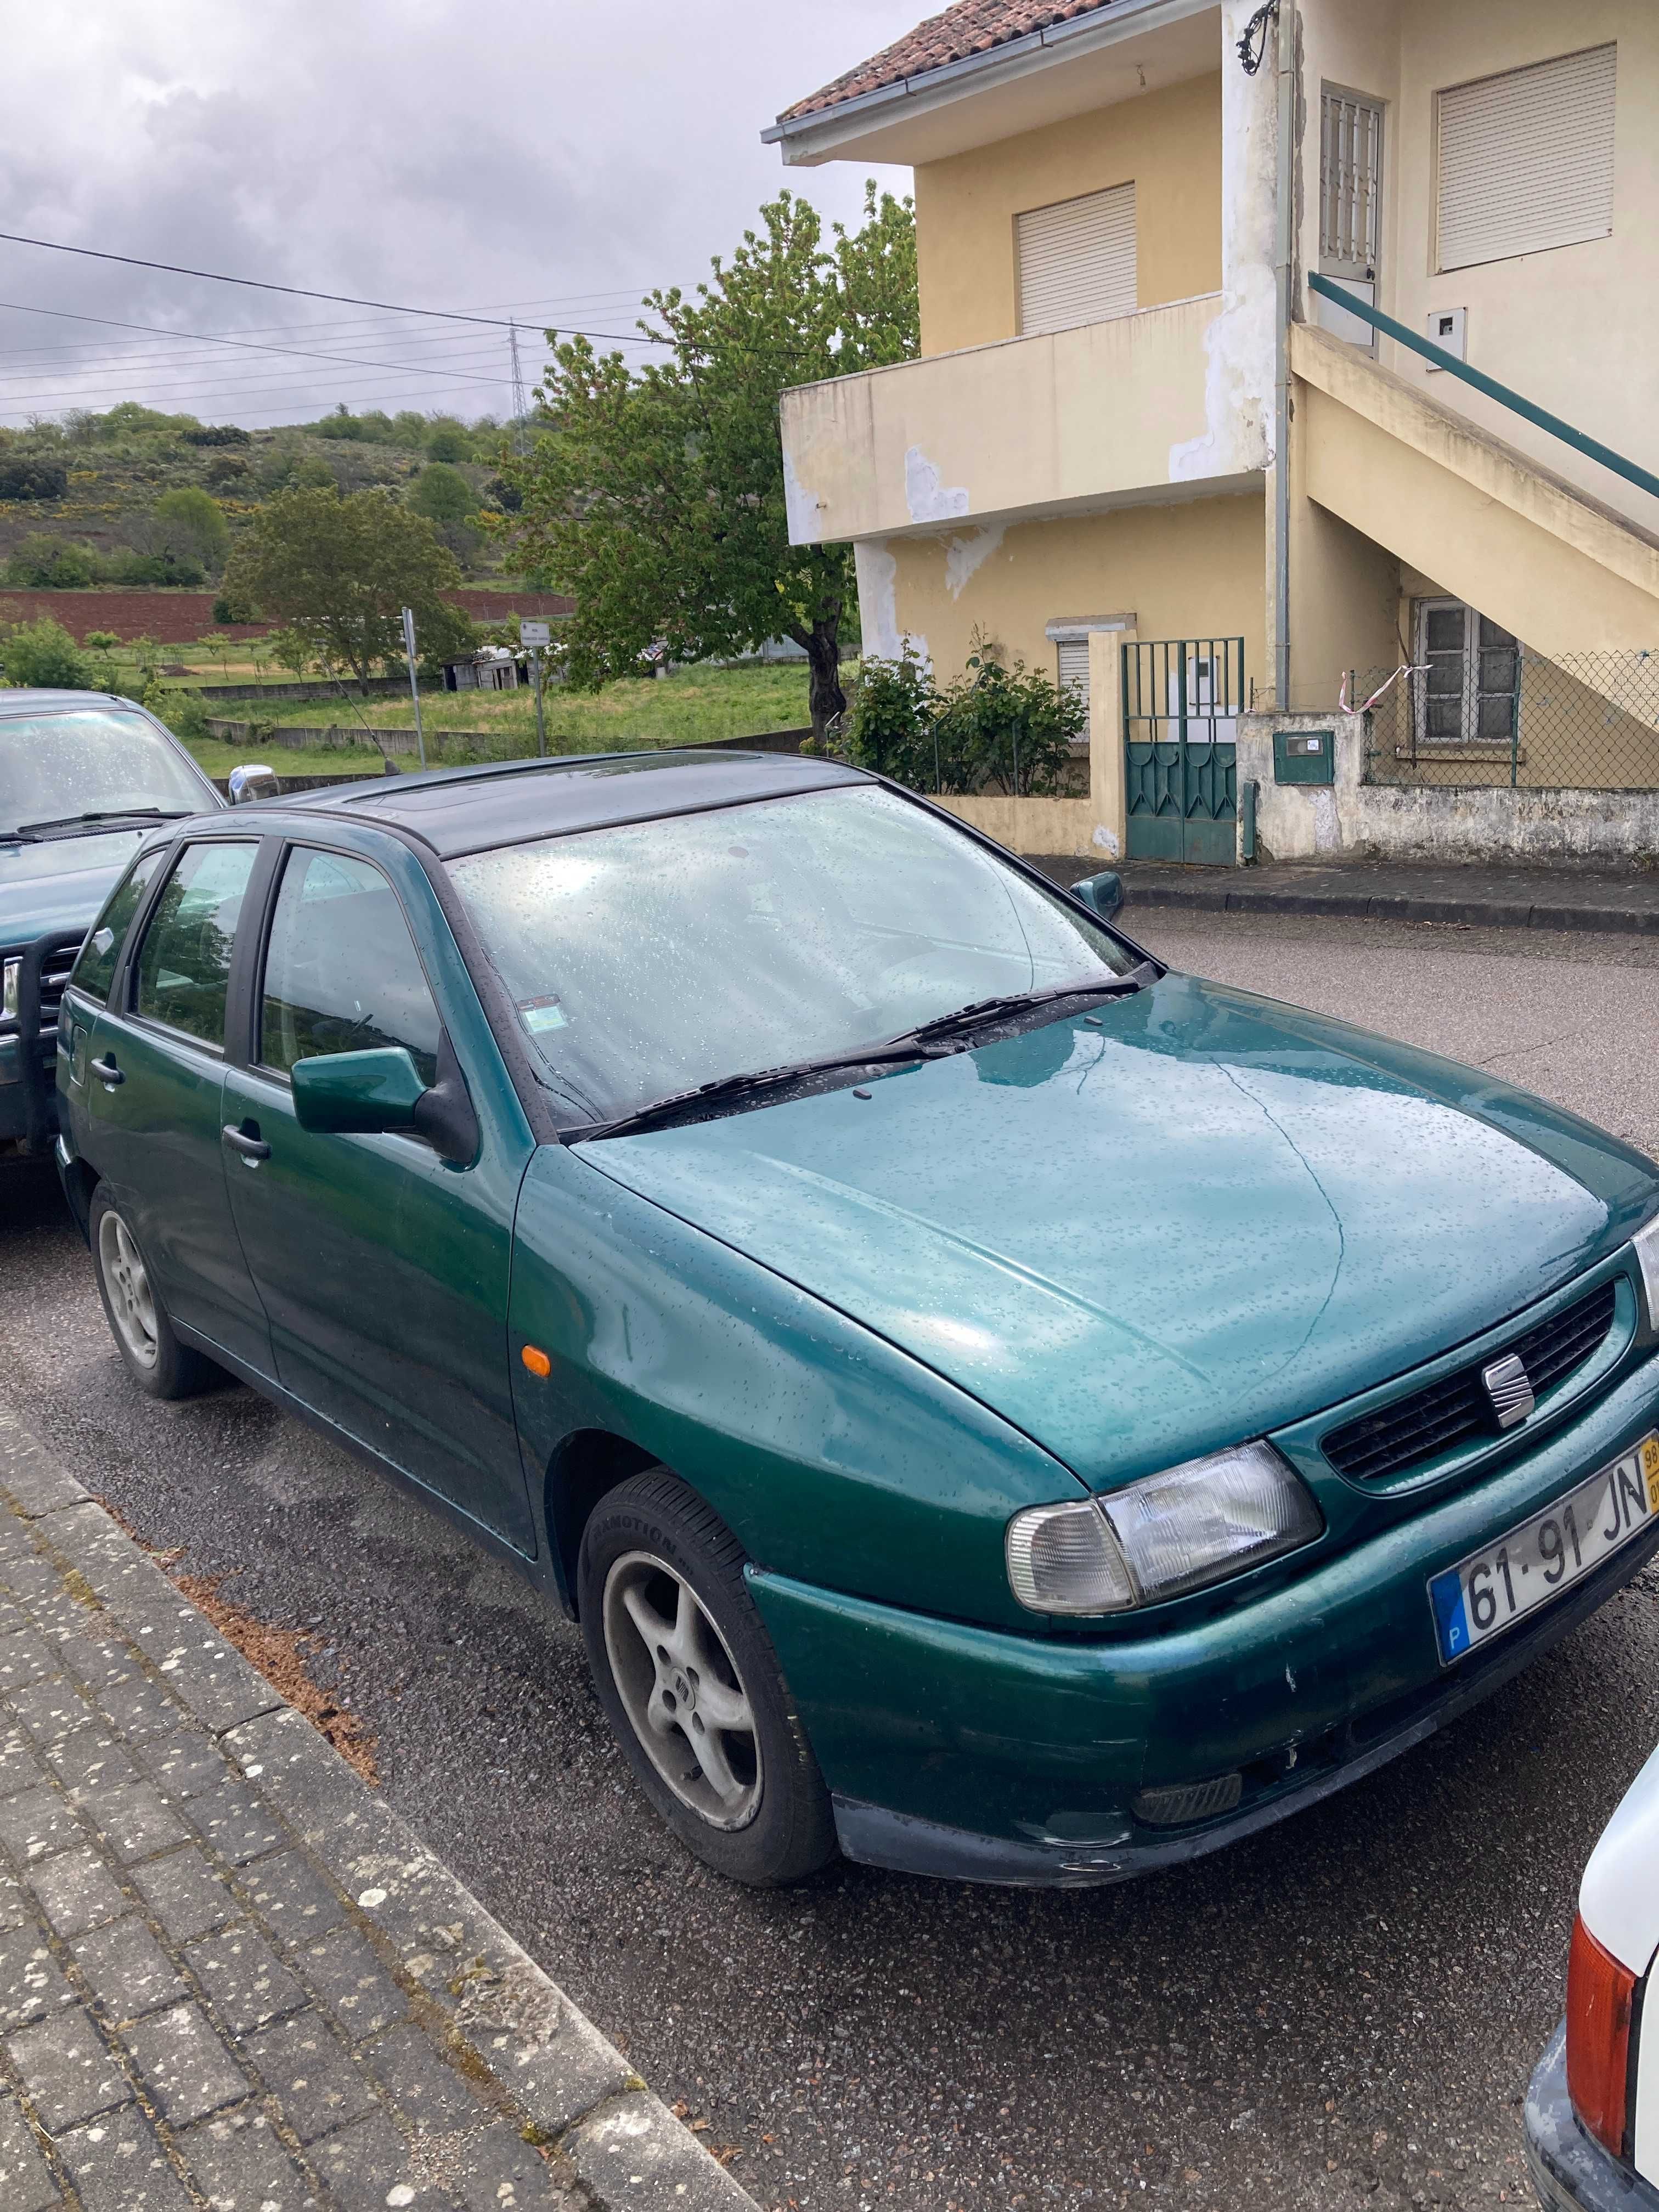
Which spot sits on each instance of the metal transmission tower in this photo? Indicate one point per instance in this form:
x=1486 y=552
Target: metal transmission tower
x=519 y=410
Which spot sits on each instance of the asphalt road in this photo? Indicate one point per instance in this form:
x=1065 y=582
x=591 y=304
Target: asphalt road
x=1341 y=2013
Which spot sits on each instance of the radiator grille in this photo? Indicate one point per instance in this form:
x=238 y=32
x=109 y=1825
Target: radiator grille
x=1456 y=1409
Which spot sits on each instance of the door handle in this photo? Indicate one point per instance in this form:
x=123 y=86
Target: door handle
x=106 y=1072
x=251 y=1148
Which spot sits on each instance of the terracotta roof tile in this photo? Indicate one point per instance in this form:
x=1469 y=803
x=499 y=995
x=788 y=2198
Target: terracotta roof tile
x=972 y=26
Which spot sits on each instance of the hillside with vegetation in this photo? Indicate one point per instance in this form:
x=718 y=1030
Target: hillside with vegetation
x=135 y=498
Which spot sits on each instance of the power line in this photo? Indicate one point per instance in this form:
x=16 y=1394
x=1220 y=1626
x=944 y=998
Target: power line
x=260 y=284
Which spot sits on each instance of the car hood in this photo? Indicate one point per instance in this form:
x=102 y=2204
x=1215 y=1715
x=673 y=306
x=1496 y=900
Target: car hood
x=1139 y=1242
x=59 y=884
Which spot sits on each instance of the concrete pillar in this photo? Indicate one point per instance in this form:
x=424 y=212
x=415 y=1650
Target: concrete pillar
x=1107 y=793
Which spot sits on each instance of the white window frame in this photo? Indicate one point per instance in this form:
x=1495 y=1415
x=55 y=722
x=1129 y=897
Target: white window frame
x=1070 y=629
x=1469 y=712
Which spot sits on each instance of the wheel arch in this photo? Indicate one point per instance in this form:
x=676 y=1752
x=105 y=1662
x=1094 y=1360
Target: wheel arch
x=587 y=1466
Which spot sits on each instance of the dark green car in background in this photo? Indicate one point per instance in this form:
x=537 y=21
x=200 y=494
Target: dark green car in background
x=995 y=1405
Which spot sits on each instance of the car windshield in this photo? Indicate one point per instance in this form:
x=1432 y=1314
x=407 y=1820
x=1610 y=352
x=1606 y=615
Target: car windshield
x=655 y=957
x=89 y=760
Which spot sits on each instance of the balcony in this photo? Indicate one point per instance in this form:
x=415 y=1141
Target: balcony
x=1147 y=409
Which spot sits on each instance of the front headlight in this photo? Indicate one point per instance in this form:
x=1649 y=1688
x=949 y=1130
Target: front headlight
x=1645 y=1245
x=1169 y=1533
x=11 y=976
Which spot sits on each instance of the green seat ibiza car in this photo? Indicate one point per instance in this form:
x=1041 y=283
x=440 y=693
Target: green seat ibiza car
x=995 y=1406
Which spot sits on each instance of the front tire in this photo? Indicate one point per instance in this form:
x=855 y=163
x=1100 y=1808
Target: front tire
x=144 y=1336
x=691 y=1686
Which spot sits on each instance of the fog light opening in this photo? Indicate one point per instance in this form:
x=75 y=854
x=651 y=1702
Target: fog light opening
x=1182 y=1802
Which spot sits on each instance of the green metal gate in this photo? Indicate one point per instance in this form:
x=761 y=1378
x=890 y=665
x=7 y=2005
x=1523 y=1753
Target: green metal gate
x=1181 y=699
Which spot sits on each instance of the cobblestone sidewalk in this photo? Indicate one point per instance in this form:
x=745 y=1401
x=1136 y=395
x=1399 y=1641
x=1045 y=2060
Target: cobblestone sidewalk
x=230 y=1977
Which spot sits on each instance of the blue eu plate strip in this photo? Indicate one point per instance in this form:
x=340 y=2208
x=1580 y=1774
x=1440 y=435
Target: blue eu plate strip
x=1451 y=1622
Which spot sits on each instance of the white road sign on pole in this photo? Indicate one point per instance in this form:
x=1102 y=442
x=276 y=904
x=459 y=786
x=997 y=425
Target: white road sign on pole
x=535 y=633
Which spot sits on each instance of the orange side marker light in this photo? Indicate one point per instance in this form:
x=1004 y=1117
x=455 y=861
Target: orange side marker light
x=537 y=1360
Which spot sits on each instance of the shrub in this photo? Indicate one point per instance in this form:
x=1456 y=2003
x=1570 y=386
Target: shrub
x=25 y=475
x=43 y=654
x=1010 y=729
x=39 y=563
x=163 y=568
x=217 y=434
x=443 y=494
x=232 y=607
x=889 y=718
x=184 y=712
x=447 y=441
x=192 y=527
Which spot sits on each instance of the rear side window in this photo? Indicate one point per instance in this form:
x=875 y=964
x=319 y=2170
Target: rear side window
x=184 y=962
x=342 y=974
x=95 y=967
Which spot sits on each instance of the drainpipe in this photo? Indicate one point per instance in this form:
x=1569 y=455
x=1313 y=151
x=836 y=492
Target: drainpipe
x=1285 y=42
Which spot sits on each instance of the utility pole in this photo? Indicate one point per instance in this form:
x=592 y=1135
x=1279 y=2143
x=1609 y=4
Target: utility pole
x=414 y=688
x=518 y=389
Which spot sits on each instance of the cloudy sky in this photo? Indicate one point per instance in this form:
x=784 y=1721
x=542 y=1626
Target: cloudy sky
x=556 y=159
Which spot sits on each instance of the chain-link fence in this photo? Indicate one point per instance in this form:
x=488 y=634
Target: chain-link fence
x=1492 y=712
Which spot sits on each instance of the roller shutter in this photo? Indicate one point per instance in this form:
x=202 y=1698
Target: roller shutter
x=1077 y=260
x=1526 y=160
x=1073 y=657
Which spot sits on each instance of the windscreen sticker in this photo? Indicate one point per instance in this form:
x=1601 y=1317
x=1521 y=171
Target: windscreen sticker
x=540 y=1014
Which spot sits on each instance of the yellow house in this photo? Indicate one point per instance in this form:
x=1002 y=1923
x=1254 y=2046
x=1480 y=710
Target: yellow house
x=1157 y=443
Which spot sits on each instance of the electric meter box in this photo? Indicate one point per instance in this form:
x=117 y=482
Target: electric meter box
x=1305 y=757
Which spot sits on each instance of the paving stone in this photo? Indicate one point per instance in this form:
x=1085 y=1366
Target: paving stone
x=136 y=1824
x=498 y=2172
x=90 y=1760
x=98 y=1661
x=292 y=1898
x=19 y=1767
x=184 y=1894
x=237 y=1822
x=12 y=1616
x=117 y=2165
x=246 y=1982
x=426 y=2090
x=312 y=2075
x=127 y=1970
x=50 y=1710
x=67 y=2070
x=140 y=1708
x=26 y=2182
x=353 y=1984
x=29 y=1577
x=37 y=1822
x=214 y=1680
x=15 y=1907
x=364 y=2163
x=184 y=1766
x=239 y=2164
x=26 y=1658
x=185 y=2064
x=76 y=1891
x=32 y=1982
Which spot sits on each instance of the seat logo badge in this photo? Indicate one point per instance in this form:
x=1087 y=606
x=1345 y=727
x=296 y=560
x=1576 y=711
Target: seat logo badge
x=1506 y=1385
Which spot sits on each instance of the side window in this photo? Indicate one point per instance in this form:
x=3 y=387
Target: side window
x=184 y=962
x=94 y=966
x=342 y=974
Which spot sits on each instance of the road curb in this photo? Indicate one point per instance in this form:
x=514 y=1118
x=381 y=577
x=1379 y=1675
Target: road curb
x=483 y=2004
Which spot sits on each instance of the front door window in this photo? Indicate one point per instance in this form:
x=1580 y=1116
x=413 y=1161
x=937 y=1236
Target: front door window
x=342 y=974
x=1470 y=686
x=184 y=963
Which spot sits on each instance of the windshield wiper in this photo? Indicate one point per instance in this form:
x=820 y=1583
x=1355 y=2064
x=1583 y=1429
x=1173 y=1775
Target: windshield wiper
x=103 y=814
x=736 y=1090
x=1018 y=1002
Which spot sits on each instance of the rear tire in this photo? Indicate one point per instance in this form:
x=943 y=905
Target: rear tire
x=690 y=1684
x=144 y=1336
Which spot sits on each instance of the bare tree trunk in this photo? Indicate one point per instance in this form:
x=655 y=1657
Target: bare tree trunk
x=825 y=697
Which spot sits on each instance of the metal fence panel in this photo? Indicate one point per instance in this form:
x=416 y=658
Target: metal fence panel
x=1580 y=721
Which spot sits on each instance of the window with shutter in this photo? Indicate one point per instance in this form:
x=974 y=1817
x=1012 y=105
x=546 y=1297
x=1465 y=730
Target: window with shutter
x=1073 y=653
x=1076 y=260
x=1526 y=160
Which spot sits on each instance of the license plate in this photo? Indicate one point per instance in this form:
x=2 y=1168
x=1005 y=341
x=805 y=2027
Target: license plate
x=1500 y=1584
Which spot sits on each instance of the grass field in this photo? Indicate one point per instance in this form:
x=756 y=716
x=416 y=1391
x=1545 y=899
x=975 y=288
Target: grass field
x=690 y=708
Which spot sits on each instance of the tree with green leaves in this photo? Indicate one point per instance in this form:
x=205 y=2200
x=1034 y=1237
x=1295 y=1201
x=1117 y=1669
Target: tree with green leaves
x=339 y=572
x=190 y=523
x=657 y=499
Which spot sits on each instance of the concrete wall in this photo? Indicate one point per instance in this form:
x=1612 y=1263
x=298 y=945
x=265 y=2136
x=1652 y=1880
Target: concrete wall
x=1363 y=820
x=1575 y=329
x=1166 y=144
x=1191 y=570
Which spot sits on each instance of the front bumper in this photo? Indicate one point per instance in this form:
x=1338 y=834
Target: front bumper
x=975 y=1754
x=1570 y=2170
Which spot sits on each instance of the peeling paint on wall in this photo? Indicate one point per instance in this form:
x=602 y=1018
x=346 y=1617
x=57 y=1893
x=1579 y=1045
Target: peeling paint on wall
x=877 y=571
x=801 y=507
x=1238 y=344
x=1109 y=841
x=927 y=496
x=962 y=555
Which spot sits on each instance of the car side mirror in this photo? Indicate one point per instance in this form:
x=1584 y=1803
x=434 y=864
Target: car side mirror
x=1102 y=894
x=252 y=780
x=364 y=1093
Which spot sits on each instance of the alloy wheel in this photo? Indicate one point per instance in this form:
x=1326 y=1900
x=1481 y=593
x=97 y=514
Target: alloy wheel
x=681 y=1691
x=131 y=1301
